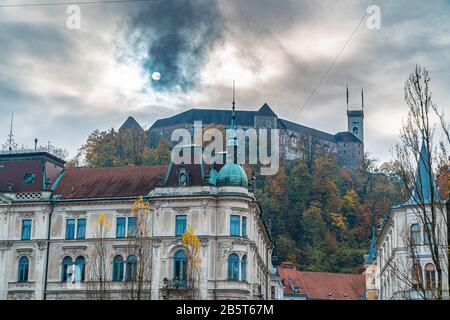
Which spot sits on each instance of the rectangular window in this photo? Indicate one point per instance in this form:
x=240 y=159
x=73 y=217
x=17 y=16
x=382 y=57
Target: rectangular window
x=427 y=232
x=81 y=228
x=70 y=229
x=235 y=225
x=120 y=228
x=132 y=227
x=244 y=227
x=180 y=225
x=26 y=229
x=415 y=234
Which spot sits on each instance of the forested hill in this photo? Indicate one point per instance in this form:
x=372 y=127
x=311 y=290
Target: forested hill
x=320 y=215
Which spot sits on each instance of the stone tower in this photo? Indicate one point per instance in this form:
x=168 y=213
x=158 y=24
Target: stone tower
x=355 y=119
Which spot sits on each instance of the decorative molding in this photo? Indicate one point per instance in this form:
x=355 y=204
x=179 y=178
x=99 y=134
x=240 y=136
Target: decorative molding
x=156 y=243
x=204 y=241
x=73 y=251
x=223 y=249
x=26 y=215
x=76 y=214
x=5 y=245
x=42 y=244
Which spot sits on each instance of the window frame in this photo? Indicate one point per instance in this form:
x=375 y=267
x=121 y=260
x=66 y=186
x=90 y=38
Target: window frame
x=23 y=269
x=82 y=227
x=73 y=228
x=244 y=268
x=180 y=268
x=180 y=223
x=118 y=273
x=235 y=225
x=131 y=268
x=430 y=276
x=132 y=233
x=66 y=263
x=123 y=230
x=27 y=224
x=415 y=234
x=244 y=223
x=233 y=267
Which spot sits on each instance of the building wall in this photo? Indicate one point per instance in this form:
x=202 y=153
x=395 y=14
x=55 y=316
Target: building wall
x=208 y=213
x=394 y=260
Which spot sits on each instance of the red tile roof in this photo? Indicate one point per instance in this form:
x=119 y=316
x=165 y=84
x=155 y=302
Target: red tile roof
x=322 y=285
x=78 y=183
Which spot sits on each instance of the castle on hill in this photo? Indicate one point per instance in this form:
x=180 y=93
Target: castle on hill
x=295 y=139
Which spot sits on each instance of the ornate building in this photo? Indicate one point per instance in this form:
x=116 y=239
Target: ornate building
x=295 y=139
x=51 y=245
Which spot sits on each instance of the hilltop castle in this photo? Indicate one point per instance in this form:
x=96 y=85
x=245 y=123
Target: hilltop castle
x=295 y=139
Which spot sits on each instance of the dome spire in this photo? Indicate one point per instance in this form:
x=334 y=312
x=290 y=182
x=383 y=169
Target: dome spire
x=232 y=142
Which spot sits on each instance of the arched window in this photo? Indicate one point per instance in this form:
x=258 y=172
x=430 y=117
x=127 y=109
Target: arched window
x=66 y=269
x=180 y=268
x=80 y=263
x=430 y=277
x=131 y=267
x=416 y=276
x=24 y=266
x=244 y=268
x=415 y=234
x=118 y=268
x=233 y=267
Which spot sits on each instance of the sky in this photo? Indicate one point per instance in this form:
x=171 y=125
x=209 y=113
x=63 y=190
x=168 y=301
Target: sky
x=64 y=83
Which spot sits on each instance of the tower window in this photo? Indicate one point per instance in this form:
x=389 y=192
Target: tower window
x=233 y=267
x=235 y=226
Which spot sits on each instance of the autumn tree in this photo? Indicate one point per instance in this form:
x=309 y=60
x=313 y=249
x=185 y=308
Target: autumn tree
x=99 y=275
x=138 y=268
x=193 y=247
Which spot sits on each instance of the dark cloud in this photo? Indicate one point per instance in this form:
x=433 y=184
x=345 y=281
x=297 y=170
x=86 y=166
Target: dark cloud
x=63 y=84
x=178 y=35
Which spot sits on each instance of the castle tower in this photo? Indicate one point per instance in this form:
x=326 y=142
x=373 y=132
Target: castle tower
x=355 y=119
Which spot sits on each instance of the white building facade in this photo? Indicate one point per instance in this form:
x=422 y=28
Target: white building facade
x=404 y=267
x=48 y=230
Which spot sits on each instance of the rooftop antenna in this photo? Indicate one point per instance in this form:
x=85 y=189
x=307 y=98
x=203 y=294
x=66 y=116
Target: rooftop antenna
x=11 y=144
x=362 y=97
x=233 y=125
x=347 y=96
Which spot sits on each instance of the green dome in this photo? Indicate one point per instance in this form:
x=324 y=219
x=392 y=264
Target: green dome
x=232 y=175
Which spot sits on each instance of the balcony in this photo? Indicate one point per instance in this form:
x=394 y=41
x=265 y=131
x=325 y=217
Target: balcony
x=178 y=290
x=21 y=290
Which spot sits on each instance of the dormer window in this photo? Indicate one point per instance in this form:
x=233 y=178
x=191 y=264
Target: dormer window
x=183 y=177
x=29 y=178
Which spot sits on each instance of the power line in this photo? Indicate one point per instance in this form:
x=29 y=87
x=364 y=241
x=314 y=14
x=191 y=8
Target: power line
x=313 y=92
x=68 y=3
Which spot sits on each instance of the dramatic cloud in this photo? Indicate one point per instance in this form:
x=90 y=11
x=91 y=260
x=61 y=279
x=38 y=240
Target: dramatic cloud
x=62 y=84
x=177 y=36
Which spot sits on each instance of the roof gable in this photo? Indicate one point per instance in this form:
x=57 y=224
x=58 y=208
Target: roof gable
x=265 y=110
x=130 y=123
